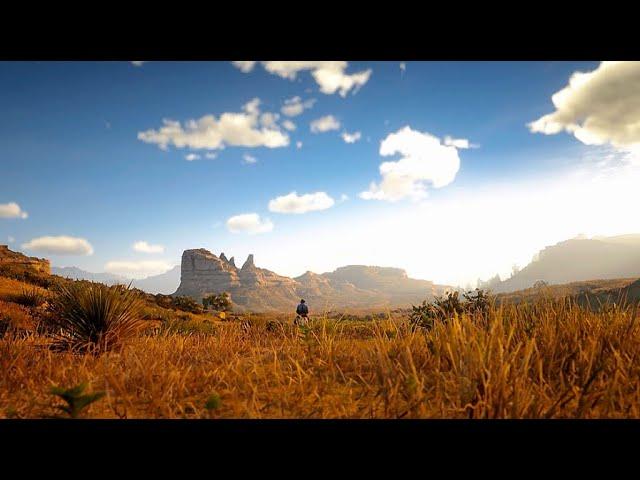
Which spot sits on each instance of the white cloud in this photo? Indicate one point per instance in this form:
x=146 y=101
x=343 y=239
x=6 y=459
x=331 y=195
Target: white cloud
x=403 y=68
x=325 y=124
x=245 y=129
x=298 y=145
x=351 y=137
x=137 y=269
x=461 y=143
x=144 y=247
x=210 y=155
x=249 y=159
x=424 y=160
x=12 y=210
x=269 y=120
x=192 y=156
x=61 y=245
x=249 y=223
x=598 y=107
x=244 y=65
x=289 y=125
x=329 y=75
x=295 y=106
x=137 y=63
x=294 y=203
x=344 y=197
x=10 y=239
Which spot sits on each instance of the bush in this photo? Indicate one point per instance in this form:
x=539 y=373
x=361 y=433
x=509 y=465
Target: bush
x=185 y=304
x=93 y=316
x=444 y=308
x=221 y=302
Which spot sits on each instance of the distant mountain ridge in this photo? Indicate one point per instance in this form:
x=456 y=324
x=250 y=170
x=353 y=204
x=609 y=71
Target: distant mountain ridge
x=76 y=273
x=259 y=289
x=580 y=259
x=165 y=283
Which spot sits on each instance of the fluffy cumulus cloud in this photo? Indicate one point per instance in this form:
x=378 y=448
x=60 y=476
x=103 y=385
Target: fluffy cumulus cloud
x=330 y=76
x=137 y=269
x=424 y=160
x=137 y=63
x=12 y=210
x=191 y=157
x=598 y=107
x=244 y=129
x=351 y=137
x=249 y=223
x=145 y=247
x=61 y=245
x=294 y=203
x=298 y=144
x=325 y=124
x=295 y=106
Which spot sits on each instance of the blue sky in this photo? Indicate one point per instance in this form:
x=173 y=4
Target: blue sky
x=72 y=159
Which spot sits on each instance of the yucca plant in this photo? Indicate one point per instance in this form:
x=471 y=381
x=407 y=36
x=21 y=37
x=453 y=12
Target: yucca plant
x=93 y=317
x=29 y=297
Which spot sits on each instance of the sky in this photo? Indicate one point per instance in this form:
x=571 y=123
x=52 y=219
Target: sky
x=453 y=171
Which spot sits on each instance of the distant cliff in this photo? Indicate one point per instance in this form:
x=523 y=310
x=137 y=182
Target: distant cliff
x=259 y=289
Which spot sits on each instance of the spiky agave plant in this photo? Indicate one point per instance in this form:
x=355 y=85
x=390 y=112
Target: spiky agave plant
x=92 y=316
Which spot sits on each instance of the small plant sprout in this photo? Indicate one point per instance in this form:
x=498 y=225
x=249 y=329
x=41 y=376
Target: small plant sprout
x=75 y=401
x=213 y=402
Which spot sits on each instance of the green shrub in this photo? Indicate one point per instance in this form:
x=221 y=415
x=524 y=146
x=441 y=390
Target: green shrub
x=426 y=315
x=221 y=302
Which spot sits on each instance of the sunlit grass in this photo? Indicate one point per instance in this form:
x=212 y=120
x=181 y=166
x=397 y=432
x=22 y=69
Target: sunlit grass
x=549 y=359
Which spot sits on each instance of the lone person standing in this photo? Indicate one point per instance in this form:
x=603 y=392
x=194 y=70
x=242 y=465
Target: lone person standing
x=303 y=311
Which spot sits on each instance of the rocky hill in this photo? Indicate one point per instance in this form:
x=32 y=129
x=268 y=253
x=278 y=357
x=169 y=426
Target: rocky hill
x=15 y=260
x=578 y=260
x=259 y=289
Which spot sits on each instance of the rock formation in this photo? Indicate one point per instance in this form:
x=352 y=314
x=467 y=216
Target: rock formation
x=259 y=289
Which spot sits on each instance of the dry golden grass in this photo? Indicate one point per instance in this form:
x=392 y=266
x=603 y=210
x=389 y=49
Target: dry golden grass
x=550 y=359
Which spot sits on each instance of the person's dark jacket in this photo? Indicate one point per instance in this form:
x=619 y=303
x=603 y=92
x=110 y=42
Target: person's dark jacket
x=302 y=309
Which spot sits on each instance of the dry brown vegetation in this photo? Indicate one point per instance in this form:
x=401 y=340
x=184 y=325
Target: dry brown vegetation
x=547 y=359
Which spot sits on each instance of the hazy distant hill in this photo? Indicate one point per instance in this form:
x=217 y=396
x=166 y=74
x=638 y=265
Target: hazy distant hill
x=165 y=283
x=580 y=259
x=78 y=274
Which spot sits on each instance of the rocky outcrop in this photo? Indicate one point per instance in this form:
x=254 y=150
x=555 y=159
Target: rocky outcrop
x=203 y=273
x=11 y=259
x=259 y=289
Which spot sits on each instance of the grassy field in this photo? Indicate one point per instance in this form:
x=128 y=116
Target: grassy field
x=546 y=359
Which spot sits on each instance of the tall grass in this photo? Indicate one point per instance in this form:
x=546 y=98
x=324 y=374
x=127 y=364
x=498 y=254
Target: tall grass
x=93 y=316
x=548 y=359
